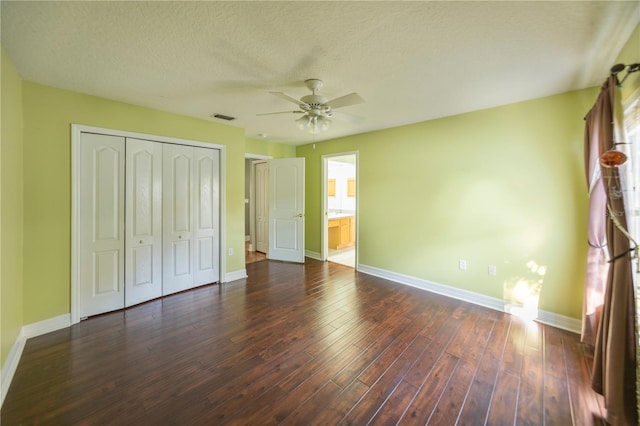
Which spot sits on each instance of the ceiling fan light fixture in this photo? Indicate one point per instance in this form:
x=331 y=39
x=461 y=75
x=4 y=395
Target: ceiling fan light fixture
x=317 y=124
x=303 y=122
x=323 y=123
x=313 y=124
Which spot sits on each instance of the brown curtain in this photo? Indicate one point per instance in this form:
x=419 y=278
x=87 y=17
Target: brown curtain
x=597 y=266
x=614 y=368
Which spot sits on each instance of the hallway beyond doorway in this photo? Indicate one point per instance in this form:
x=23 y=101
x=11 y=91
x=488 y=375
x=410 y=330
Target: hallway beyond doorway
x=252 y=256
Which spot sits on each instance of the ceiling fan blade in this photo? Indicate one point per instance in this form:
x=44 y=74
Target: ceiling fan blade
x=349 y=118
x=282 y=112
x=346 y=100
x=288 y=98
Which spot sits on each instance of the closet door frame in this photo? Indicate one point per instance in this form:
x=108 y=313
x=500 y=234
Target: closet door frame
x=76 y=163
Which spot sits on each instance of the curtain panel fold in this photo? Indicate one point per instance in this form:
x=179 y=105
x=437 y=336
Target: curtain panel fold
x=614 y=368
x=597 y=266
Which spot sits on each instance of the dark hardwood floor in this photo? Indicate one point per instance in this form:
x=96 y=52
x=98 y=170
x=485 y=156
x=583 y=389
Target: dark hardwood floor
x=312 y=344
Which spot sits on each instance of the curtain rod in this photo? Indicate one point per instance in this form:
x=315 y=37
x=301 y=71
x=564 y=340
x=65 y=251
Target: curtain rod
x=618 y=68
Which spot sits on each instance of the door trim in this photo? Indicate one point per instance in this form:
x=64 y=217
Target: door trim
x=76 y=137
x=324 y=235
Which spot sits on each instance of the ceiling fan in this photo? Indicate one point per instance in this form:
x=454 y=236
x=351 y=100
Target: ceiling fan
x=316 y=109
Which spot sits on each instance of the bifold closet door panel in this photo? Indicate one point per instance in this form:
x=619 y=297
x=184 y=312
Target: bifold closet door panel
x=206 y=218
x=177 y=212
x=143 y=213
x=101 y=216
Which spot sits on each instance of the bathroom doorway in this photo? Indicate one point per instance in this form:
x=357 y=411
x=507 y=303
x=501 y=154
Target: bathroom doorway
x=340 y=203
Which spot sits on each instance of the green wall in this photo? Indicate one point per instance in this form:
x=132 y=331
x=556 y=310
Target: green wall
x=502 y=186
x=272 y=149
x=11 y=169
x=48 y=115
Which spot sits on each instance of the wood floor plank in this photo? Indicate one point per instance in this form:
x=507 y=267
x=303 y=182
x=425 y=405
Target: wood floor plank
x=514 y=348
x=504 y=399
x=476 y=406
x=329 y=411
x=449 y=405
x=426 y=400
x=554 y=353
x=389 y=378
x=368 y=356
x=304 y=344
x=305 y=390
x=464 y=336
x=530 y=408
x=409 y=336
x=437 y=346
x=585 y=407
x=556 y=396
x=228 y=401
x=333 y=351
x=394 y=407
x=308 y=412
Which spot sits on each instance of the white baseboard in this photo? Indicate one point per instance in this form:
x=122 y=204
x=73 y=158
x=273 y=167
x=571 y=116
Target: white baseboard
x=560 y=321
x=46 y=326
x=549 y=318
x=247 y=238
x=26 y=332
x=313 y=255
x=11 y=365
x=235 y=275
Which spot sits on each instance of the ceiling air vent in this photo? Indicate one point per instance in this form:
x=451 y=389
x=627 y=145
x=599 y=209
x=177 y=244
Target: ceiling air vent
x=223 y=117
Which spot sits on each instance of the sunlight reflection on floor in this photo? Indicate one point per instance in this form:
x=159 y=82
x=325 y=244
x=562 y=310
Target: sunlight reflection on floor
x=524 y=292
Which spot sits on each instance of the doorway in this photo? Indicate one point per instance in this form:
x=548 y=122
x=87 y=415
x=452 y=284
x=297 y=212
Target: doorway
x=256 y=231
x=276 y=209
x=340 y=202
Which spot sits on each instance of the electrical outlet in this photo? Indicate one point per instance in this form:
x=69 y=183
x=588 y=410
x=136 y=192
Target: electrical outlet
x=492 y=270
x=230 y=251
x=462 y=264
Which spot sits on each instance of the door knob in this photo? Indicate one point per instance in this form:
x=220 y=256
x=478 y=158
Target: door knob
x=179 y=236
x=140 y=241
x=299 y=215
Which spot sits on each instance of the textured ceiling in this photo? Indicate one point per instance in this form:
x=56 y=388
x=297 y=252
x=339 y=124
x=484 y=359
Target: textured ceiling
x=410 y=61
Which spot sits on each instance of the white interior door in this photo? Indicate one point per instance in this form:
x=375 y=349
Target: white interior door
x=143 y=254
x=101 y=216
x=207 y=220
x=177 y=246
x=262 y=205
x=286 y=209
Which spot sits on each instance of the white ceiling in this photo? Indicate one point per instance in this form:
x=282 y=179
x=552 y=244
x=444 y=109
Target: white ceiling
x=410 y=61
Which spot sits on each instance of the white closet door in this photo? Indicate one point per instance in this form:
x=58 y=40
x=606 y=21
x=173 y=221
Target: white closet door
x=206 y=216
x=143 y=255
x=102 y=224
x=177 y=239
